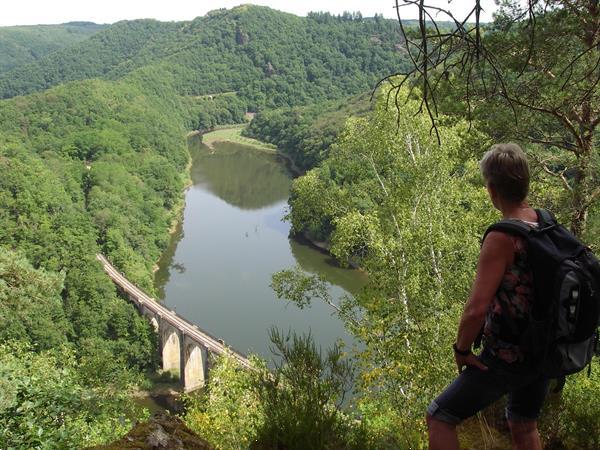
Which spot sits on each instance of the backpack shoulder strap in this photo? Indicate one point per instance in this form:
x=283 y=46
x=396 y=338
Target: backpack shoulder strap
x=514 y=227
x=545 y=218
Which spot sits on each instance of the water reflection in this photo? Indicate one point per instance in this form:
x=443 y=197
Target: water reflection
x=162 y=274
x=318 y=262
x=217 y=270
x=245 y=179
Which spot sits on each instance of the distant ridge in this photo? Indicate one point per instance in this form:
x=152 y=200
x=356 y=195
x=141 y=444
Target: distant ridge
x=25 y=44
x=269 y=57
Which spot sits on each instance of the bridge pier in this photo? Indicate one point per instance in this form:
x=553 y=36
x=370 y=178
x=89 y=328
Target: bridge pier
x=184 y=347
x=180 y=352
x=194 y=367
x=171 y=345
x=152 y=317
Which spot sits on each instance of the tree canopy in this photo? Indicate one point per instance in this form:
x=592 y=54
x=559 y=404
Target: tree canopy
x=270 y=58
x=532 y=76
x=20 y=45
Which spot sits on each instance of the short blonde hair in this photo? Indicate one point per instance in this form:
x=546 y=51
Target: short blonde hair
x=504 y=166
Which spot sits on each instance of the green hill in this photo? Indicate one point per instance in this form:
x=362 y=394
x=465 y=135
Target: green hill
x=93 y=157
x=88 y=166
x=305 y=133
x=270 y=58
x=92 y=58
x=20 y=45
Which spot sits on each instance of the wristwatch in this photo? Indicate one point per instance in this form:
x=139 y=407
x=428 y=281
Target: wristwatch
x=459 y=351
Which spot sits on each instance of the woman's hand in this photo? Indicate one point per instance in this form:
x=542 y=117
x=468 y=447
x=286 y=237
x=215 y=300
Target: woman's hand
x=468 y=360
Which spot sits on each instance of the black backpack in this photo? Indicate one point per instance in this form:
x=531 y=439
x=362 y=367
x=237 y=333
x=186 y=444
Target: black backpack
x=562 y=334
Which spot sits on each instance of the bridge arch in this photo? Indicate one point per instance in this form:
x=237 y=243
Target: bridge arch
x=185 y=347
x=171 y=348
x=194 y=365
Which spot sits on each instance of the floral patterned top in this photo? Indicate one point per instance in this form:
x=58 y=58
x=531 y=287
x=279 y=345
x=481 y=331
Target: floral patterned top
x=513 y=300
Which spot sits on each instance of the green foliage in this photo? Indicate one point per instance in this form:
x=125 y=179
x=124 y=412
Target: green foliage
x=228 y=415
x=538 y=86
x=98 y=165
x=21 y=45
x=298 y=287
x=46 y=403
x=411 y=214
x=301 y=400
x=30 y=304
x=117 y=156
x=306 y=133
x=90 y=58
x=88 y=167
x=269 y=58
x=295 y=406
x=571 y=416
x=211 y=111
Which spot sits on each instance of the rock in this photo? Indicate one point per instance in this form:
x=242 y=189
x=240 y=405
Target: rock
x=270 y=70
x=158 y=438
x=241 y=37
x=161 y=432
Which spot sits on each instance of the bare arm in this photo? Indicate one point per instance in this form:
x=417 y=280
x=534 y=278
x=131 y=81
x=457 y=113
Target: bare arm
x=496 y=255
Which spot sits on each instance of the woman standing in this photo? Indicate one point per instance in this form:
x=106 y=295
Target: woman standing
x=500 y=300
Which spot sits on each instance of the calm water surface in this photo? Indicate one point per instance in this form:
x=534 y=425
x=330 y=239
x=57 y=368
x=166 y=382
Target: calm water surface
x=218 y=268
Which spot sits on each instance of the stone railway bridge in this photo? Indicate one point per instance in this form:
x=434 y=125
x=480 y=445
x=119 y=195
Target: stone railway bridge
x=184 y=346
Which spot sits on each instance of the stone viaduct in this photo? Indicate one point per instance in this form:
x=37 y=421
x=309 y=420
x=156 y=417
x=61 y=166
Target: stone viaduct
x=184 y=346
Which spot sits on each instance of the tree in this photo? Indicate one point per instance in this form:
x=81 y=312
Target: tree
x=410 y=214
x=296 y=405
x=302 y=398
x=540 y=62
x=30 y=304
x=47 y=402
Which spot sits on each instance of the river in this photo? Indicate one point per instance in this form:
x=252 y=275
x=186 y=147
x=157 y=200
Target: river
x=218 y=267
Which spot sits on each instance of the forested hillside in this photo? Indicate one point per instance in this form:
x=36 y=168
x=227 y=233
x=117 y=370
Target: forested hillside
x=97 y=163
x=20 y=45
x=305 y=133
x=269 y=58
x=92 y=58
x=400 y=193
x=412 y=214
x=88 y=167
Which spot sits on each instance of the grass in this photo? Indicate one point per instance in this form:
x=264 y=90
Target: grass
x=233 y=133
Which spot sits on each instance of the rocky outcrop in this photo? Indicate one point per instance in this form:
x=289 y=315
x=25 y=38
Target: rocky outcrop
x=269 y=69
x=161 y=432
x=241 y=37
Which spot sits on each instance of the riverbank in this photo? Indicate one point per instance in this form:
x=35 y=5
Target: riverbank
x=325 y=248
x=177 y=210
x=234 y=241
x=233 y=133
x=225 y=133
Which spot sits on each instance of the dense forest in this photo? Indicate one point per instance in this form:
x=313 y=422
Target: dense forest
x=269 y=58
x=98 y=164
x=85 y=172
x=305 y=133
x=93 y=158
x=20 y=45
